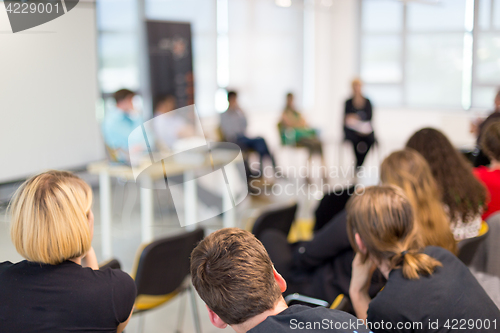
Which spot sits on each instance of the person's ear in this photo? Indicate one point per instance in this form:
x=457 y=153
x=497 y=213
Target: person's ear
x=279 y=279
x=215 y=319
x=359 y=242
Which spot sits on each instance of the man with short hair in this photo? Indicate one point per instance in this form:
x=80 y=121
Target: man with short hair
x=233 y=125
x=118 y=123
x=235 y=277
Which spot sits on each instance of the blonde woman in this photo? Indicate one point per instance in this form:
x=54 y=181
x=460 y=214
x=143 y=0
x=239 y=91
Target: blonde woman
x=408 y=170
x=50 y=291
x=426 y=286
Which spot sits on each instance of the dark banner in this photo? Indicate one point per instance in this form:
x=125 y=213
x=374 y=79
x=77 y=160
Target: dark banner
x=171 y=61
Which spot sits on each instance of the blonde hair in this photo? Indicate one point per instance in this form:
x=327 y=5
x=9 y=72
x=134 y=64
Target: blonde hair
x=50 y=218
x=384 y=219
x=408 y=170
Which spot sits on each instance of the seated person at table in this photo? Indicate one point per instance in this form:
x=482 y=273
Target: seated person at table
x=490 y=176
x=171 y=125
x=426 y=286
x=358 y=129
x=463 y=196
x=303 y=134
x=235 y=277
x=52 y=291
x=117 y=125
x=233 y=125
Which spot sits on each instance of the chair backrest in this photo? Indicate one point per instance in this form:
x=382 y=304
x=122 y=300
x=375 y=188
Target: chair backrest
x=331 y=204
x=113 y=264
x=280 y=219
x=467 y=248
x=164 y=264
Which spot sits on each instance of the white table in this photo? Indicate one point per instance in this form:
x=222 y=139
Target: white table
x=106 y=170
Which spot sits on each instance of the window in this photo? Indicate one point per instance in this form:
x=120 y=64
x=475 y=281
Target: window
x=438 y=53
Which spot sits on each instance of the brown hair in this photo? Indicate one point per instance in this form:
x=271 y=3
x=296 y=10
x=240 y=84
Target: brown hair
x=122 y=94
x=50 y=218
x=460 y=191
x=490 y=140
x=233 y=275
x=384 y=219
x=408 y=170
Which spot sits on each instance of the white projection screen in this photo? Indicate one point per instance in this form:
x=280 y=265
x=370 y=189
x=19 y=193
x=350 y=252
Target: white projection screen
x=48 y=94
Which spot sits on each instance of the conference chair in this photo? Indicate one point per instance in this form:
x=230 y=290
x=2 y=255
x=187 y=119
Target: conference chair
x=112 y=263
x=340 y=303
x=162 y=274
x=330 y=205
x=280 y=219
x=468 y=248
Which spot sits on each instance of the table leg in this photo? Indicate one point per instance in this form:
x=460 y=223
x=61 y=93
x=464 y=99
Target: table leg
x=147 y=210
x=106 y=221
x=229 y=218
x=190 y=201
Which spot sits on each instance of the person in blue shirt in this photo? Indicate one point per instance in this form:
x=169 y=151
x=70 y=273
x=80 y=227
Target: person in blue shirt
x=118 y=124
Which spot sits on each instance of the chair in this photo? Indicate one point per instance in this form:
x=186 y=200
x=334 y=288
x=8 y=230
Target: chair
x=280 y=219
x=162 y=273
x=330 y=205
x=112 y=263
x=468 y=248
x=340 y=303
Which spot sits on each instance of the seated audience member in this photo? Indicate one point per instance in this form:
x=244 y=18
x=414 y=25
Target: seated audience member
x=52 y=291
x=235 y=277
x=117 y=125
x=409 y=171
x=169 y=127
x=233 y=125
x=490 y=176
x=426 y=286
x=358 y=129
x=463 y=196
x=304 y=135
x=478 y=127
x=321 y=267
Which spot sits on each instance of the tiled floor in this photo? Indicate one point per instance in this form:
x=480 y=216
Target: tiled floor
x=126 y=232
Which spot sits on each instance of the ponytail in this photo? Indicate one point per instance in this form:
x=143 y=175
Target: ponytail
x=413 y=264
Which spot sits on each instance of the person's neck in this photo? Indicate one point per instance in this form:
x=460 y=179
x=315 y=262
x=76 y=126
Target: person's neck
x=256 y=320
x=495 y=165
x=385 y=268
x=76 y=260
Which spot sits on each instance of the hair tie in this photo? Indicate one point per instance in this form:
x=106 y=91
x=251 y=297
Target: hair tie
x=404 y=253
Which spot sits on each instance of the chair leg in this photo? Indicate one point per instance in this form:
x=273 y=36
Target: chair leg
x=141 y=323
x=182 y=311
x=194 y=307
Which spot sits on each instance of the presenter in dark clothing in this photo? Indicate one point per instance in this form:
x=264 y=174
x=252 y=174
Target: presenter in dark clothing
x=357 y=123
x=52 y=291
x=428 y=289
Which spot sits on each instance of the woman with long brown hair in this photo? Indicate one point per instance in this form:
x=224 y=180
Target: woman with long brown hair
x=408 y=170
x=463 y=196
x=427 y=287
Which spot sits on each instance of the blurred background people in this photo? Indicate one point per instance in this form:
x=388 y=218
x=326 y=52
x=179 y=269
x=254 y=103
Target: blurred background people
x=170 y=127
x=478 y=127
x=233 y=125
x=357 y=122
x=117 y=125
x=490 y=176
x=293 y=123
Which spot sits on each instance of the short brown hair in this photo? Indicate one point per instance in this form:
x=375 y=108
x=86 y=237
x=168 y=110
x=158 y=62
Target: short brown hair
x=384 y=219
x=233 y=275
x=122 y=94
x=50 y=218
x=490 y=140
